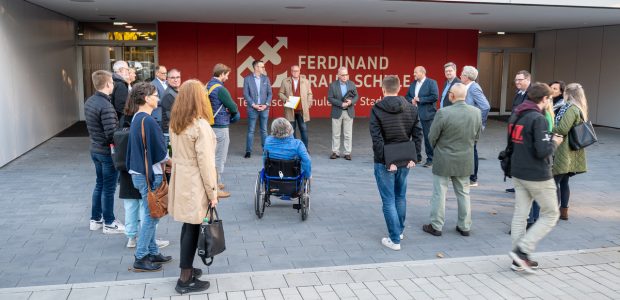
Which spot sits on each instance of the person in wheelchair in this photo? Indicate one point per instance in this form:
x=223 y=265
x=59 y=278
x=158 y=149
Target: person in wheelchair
x=282 y=145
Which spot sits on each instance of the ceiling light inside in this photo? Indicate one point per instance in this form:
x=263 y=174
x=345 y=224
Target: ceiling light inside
x=501 y=33
x=134 y=29
x=80 y=33
x=128 y=26
x=120 y=23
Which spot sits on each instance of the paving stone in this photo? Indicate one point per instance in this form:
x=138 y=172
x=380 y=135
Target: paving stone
x=302 y=279
x=126 y=292
x=334 y=277
x=233 y=284
x=364 y=275
x=261 y=282
x=88 y=293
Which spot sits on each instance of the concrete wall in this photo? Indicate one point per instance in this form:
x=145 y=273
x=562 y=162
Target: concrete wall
x=38 y=82
x=588 y=56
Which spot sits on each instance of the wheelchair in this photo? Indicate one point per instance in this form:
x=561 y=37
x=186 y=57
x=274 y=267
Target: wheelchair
x=284 y=179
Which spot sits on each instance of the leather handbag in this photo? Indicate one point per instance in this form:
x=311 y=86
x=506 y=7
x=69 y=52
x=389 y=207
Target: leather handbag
x=157 y=199
x=121 y=137
x=211 y=240
x=399 y=154
x=581 y=135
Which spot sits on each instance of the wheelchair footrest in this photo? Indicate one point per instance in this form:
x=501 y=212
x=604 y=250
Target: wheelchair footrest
x=297 y=206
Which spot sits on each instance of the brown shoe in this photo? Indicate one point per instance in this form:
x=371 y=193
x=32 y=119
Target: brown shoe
x=347 y=157
x=564 y=213
x=223 y=194
x=429 y=229
x=220 y=186
x=334 y=155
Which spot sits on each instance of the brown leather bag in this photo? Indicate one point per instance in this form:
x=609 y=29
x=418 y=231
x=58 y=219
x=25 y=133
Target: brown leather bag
x=158 y=199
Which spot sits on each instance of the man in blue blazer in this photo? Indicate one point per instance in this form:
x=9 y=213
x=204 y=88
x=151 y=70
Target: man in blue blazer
x=475 y=97
x=161 y=74
x=424 y=92
x=451 y=78
x=257 y=94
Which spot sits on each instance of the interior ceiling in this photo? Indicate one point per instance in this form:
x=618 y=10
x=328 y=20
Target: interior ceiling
x=508 y=16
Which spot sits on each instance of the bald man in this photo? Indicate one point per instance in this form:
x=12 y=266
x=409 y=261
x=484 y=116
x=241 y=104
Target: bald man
x=423 y=93
x=454 y=131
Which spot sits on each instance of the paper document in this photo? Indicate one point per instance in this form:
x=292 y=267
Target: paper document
x=292 y=102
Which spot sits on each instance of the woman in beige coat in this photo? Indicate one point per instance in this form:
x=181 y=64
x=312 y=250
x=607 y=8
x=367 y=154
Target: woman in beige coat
x=193 y=184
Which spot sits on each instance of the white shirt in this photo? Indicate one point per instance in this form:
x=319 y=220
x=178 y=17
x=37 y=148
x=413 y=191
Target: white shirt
x=164 y=84
x=295 y=83
x=418 y=86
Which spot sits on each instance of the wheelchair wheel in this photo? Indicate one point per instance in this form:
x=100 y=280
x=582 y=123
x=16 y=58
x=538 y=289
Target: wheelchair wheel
x=259 y=197
x=305 y=201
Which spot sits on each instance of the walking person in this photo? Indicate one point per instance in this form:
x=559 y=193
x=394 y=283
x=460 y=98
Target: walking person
x=568 y=162
x=193 y=186
x=531 y=163
x=147 y=255
x=393 y=120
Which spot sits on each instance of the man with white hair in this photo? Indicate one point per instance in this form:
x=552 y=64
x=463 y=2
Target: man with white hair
x=121 y=86
x=282 y=145
x=476 y=98
x=342 y=95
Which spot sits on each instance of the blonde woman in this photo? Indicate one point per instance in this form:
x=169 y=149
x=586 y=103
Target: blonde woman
x=568 y=162
x=193 y=184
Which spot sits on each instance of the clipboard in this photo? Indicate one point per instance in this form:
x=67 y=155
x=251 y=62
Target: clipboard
x=293 y=102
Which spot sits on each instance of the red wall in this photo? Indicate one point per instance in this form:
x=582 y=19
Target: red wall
x=194 y=48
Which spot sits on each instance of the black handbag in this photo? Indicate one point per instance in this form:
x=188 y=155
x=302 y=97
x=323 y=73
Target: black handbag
x=399 y=154
x=211 y=238
x=581 y=135
x=121 y=138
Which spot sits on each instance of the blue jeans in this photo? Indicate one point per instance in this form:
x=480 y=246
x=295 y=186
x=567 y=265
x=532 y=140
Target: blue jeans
x=134 y=213
x=393 y=189
x=146 y=239
x=474 y=177
x=105 y=187
x=534 y=213
x=428 y=149
x=263 y=118
x=303 y=128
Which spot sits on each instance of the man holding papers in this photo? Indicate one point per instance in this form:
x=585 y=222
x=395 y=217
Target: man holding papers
x=296 y=93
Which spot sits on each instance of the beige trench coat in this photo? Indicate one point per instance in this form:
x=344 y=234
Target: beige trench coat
x=193 y=183
x=305 y=91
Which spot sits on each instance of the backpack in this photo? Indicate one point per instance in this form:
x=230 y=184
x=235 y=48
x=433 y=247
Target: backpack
x=210 y=116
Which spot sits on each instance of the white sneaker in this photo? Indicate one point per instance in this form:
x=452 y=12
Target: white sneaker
x=402 y=236
x=131 y=242
x=161 y=243
x=388 y=243
x=96 y=225
x=114 y=228
x=473 y=183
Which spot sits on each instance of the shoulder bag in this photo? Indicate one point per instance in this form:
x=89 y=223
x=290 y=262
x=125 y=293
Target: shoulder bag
x=157 y=199
x=581 y=135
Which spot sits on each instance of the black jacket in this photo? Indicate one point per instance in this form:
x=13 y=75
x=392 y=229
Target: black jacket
x=119 y=94
x=126 y=190
x=446 y=99
x=518 y=99
x=166 y=107
x=532 y=157
x=394 y=120
x=101 y=122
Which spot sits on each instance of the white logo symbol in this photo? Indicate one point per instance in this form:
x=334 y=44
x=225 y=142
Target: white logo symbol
x=270 y=54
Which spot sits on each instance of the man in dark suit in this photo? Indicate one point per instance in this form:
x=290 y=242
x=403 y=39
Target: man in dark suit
x=423 y=92
x=522 y=82
x=161 y=74
x=257 y=93
x=342 y=95
x=451 y=79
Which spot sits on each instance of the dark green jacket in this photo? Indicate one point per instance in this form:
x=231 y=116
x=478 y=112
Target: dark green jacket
x=567 y=160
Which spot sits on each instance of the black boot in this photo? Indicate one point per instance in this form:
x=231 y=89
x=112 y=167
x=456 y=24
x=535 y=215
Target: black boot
x=145 y=265
x=159 y=258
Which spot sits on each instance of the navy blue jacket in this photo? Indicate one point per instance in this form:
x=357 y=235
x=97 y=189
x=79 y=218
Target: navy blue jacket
x=428 y=94
x=155 y=145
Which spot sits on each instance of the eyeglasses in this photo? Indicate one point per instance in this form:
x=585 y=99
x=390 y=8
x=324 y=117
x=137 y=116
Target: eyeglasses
x=519 y=79
x=154 y=95
x=175 y=77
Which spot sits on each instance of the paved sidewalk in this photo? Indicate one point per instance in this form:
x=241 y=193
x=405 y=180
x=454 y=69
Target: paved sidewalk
x=46 y=195
x=590 y=274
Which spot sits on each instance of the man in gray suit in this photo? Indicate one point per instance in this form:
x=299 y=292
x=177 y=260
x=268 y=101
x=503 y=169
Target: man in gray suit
x=453 y=133
x=161 y=74
x=342 y=95
x=257 y=93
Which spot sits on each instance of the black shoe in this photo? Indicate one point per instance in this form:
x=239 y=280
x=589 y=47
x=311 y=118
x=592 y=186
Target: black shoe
x=429 y=228
x=145 y=265
x=334 y=155
x=197 y=273
x=191 y=286
x=428 y=164
x=159 y=258
x=462 y=232
x=515 y=267
x=510 y=190
x=523 y=260
x=248 y=155
x=347 y=157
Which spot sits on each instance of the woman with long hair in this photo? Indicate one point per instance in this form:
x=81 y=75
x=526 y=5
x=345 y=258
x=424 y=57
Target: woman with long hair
x=193 y=184
x=568 y=162
x=146 y=171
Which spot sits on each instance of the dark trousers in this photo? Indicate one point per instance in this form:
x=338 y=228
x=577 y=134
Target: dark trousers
x=474 y=177
x=303 y=128
x=189 y=243
x=534 y=213
x=426 y=127
x=561 y=181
